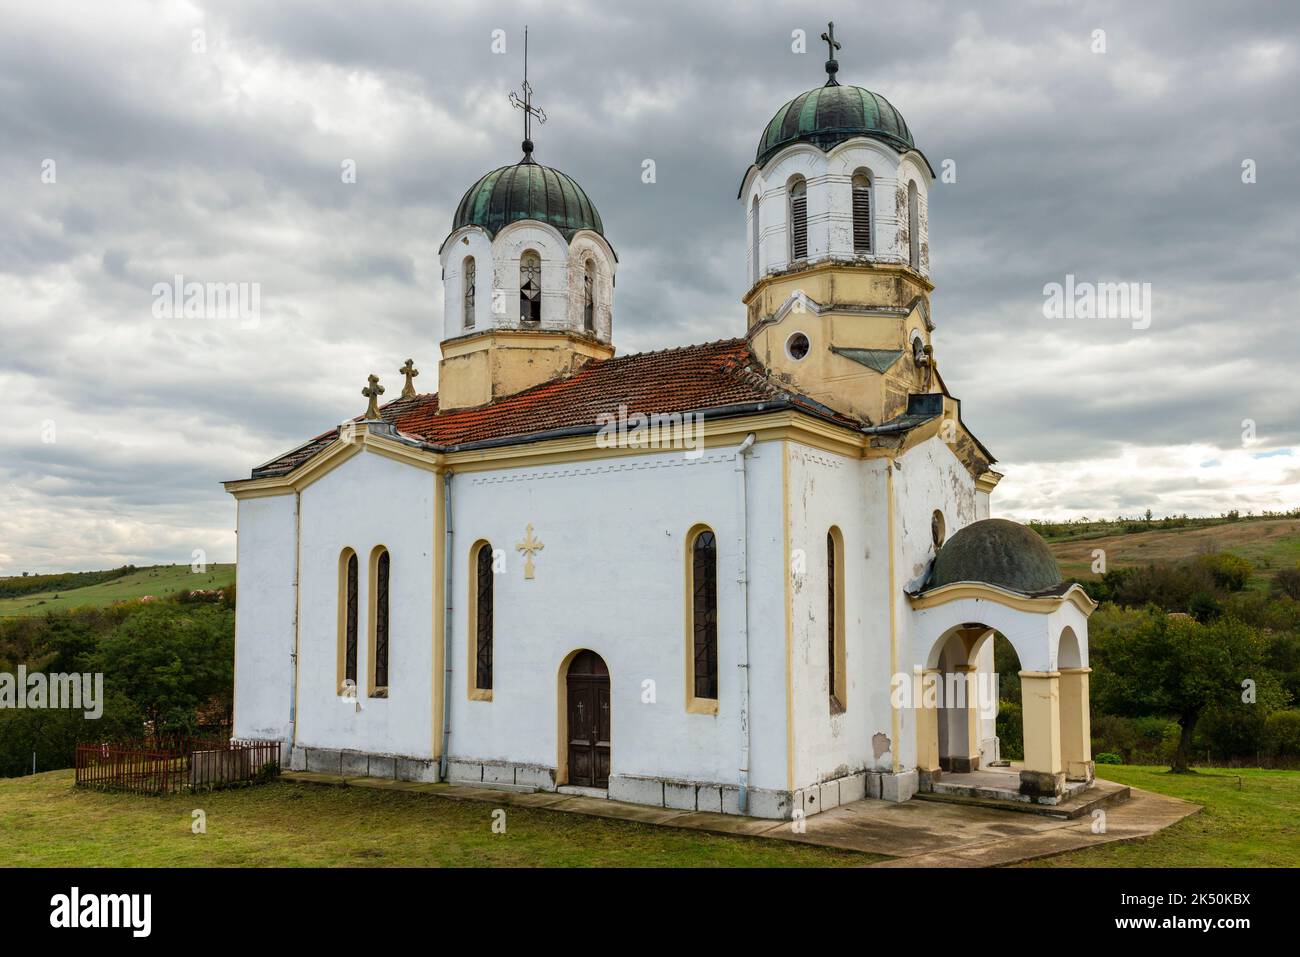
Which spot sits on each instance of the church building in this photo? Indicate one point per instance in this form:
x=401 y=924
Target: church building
x=756 y=576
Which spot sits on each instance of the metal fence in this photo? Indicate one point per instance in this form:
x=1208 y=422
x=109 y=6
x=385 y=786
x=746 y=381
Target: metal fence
x=173 y=765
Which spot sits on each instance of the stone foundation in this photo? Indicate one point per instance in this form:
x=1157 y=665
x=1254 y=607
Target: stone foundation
x=778 y=805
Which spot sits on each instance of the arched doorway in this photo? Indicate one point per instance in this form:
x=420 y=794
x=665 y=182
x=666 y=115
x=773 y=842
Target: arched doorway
x=587 y=720
x=965 y=701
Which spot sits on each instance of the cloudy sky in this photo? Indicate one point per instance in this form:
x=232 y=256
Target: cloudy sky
x=134 y=149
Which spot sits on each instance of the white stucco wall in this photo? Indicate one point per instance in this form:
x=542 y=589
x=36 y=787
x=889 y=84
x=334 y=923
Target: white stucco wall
x=367 y=501
x=825 y=490
x=611 y=578
x=496 y=286
x=829 y=177
x=264 y=616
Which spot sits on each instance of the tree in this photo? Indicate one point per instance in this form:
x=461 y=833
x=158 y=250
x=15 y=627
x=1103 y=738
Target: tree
x=171 y=661
x=1180 y=668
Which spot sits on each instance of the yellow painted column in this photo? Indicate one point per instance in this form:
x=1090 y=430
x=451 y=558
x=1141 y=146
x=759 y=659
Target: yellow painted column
x=927 y=723
x=1076 y=726
x=1040 y=701
x=968 y=678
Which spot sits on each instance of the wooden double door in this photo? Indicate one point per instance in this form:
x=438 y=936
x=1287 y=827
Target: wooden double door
x=588 y=720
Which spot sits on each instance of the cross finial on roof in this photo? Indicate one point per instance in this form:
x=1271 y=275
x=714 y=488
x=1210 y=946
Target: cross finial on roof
x=373 y=392
x=410 y=371
x=832 y=65
x=525 y=103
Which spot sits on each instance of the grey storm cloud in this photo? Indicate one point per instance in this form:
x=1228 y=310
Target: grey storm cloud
x=216 y=156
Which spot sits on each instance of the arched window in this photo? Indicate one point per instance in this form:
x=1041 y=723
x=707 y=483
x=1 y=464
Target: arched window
x=702 y=620
x=530 y=287
x=755 y=234
x=836 y=684
x=347 y=640
x=861 y=213
x=589 y=297
x=379 y=574
x=480 y=621
x=468 y=276
x=798 y=219
x=913 y=227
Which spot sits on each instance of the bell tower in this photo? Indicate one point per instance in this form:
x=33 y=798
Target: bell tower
x=838 y=250
x=528 y=279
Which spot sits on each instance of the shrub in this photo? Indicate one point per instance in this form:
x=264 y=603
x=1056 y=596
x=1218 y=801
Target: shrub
x=1107 y=758
x=1230 y=572
x=1282 y=733
x=1011 y=741
x=1287 y=582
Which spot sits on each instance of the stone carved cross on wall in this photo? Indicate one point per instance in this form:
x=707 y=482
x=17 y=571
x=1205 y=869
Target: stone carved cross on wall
x=529 y=546
x=373 y=392
x=410 y=371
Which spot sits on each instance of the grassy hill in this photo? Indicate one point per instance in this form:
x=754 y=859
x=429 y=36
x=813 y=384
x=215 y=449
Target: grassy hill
x=1269 y=545
x=159 y=581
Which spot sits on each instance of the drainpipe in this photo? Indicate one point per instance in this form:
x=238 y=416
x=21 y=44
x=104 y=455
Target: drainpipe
x=297 y=618
x=446 y=629
x=742 y=582
x=895 y=744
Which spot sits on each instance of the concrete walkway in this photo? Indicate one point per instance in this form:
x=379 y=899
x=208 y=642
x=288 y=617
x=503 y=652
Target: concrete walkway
x=912 y=834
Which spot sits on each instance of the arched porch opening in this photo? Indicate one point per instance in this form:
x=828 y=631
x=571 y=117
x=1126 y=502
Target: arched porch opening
x=1046 y=645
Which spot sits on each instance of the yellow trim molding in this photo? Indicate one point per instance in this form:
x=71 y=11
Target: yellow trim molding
x=1042 y=605
x=767 y=426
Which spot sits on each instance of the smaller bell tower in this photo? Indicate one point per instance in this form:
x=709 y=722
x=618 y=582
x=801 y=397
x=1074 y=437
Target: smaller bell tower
x=528 y=279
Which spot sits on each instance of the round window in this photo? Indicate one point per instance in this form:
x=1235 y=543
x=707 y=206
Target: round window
x=937 y=530
x=797 y=346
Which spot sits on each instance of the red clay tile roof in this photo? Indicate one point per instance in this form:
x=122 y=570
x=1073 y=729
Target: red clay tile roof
x=712 y=376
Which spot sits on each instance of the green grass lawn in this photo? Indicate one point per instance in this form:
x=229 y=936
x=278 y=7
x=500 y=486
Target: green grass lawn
x=45 y=821
x=1249 y=820
x=159 y=581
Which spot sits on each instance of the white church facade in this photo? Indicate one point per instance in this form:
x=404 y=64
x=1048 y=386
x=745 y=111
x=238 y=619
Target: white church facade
x=745 y=602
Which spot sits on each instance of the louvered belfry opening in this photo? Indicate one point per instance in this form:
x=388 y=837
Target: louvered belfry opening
x=861 y=214
x=589 y=297
x=799 y=220
x=704 y=609
x=470 y=277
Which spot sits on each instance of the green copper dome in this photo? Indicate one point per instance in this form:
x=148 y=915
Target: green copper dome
x=997 y=552
x=831 y=114
x=527 y=190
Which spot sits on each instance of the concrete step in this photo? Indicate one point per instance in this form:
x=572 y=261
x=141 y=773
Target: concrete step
x=1101 y=794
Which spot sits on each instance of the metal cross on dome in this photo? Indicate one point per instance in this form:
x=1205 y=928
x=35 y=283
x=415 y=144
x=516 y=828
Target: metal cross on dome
x=525 y=103
x=832 y=65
